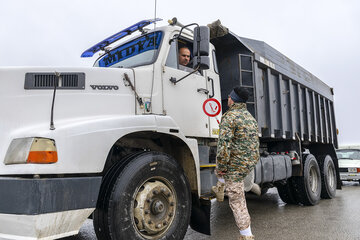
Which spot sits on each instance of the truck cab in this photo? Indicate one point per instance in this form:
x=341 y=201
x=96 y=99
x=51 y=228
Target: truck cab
x=153 y=56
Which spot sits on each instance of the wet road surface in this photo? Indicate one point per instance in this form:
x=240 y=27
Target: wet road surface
x=272 y=219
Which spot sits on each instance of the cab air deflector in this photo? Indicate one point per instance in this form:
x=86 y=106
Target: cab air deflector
x=101 y=45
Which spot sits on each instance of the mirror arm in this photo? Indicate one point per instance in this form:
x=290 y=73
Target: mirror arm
x=174 y=81
x=182 y=28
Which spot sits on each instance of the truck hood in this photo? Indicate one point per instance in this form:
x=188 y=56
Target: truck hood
x=26 y=96
x=346 y=163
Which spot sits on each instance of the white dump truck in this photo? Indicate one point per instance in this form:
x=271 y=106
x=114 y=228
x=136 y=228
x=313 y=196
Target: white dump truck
x=132 y=140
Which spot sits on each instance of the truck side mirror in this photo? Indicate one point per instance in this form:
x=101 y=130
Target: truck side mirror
x=201 y=47
x=202 y=62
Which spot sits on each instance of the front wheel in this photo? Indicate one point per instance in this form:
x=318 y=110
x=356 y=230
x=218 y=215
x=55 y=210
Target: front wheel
x=150 y=199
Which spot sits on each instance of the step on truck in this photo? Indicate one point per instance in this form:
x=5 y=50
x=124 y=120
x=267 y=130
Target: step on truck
x=131 y=141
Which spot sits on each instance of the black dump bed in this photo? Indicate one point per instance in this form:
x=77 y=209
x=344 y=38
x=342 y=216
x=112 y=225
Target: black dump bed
x=287 y=101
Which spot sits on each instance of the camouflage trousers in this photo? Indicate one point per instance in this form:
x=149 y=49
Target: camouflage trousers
x=237 y=202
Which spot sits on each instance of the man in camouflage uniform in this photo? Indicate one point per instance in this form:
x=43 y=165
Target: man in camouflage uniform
x=237 y=155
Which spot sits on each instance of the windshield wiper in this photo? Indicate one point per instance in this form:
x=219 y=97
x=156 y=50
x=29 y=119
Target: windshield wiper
x=138 y=98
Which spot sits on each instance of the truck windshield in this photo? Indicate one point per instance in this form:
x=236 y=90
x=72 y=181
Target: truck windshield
x=349 y=153
x=140 y=51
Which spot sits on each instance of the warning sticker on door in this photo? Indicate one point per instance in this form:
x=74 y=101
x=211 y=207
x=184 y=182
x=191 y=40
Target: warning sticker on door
x=211 y=107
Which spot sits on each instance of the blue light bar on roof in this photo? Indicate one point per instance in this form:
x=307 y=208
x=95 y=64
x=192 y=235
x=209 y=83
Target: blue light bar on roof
x=101 y=45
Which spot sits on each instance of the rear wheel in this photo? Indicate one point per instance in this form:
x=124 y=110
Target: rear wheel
x=150 y=199
x=328 y=177
x=307 y=188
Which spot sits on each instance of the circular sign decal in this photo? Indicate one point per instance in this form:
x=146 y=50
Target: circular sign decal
x=211 y=107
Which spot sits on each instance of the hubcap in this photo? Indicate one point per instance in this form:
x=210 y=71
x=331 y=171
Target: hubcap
x=154 y=208
x=313 y=179
x=331 y=177
x=157 y=207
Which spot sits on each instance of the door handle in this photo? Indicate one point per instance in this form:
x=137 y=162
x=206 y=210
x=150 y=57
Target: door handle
x=212 y=87
x=202 y=90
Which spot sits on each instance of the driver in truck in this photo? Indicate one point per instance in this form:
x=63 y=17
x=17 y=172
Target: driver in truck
x=184 y=57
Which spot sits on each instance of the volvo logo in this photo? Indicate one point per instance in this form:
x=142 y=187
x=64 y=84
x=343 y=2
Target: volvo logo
x=104 y=87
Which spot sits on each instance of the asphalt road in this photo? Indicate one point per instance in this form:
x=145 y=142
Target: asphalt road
x=272 y=219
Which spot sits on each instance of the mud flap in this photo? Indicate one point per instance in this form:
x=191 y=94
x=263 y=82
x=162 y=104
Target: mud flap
x=200 y=215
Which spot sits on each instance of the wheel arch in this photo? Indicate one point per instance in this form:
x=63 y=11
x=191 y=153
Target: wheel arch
x=185 y=153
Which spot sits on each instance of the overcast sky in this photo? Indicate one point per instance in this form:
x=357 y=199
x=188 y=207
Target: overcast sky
x=323 y=36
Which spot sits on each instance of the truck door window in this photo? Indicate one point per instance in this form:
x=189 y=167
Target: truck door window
x=174 y=54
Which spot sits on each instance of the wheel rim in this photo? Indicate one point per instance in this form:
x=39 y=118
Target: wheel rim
x=331 y=176
x=313 y=179
x=154 y=207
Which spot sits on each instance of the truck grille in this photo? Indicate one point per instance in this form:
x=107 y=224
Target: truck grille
x=48 y=80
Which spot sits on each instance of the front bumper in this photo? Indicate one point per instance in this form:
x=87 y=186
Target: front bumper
x=45 y=208
x=347 y=176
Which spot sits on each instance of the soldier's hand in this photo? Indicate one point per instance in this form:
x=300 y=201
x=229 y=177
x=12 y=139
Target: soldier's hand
x=220 y=173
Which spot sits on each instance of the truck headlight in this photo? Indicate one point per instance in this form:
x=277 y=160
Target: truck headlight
x=31 y=150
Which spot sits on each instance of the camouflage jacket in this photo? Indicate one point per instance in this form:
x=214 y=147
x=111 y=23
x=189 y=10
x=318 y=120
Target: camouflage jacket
x=238 y=143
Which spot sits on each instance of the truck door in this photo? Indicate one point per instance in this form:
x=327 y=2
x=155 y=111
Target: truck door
x=183 y=101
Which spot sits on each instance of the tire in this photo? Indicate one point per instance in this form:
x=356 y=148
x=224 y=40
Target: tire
x=100 y=218
x=328 y=177
x=307 y=188
x=286 y=192
x=149 y=199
